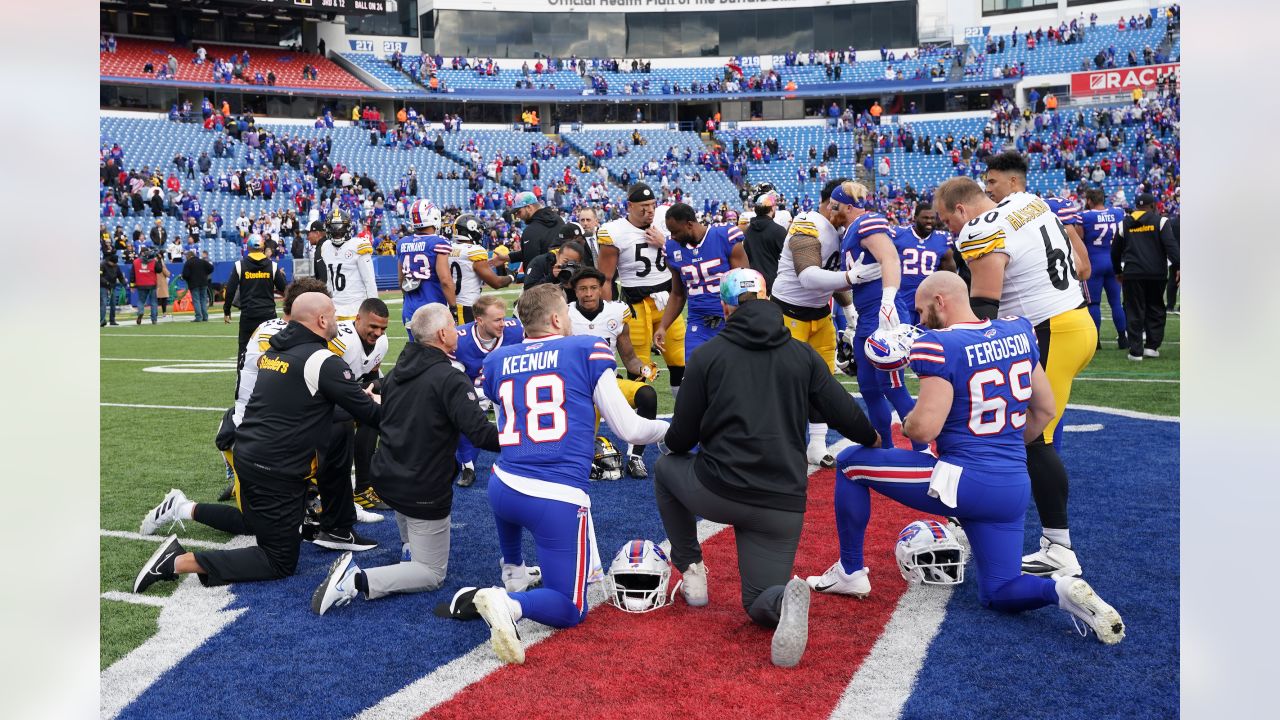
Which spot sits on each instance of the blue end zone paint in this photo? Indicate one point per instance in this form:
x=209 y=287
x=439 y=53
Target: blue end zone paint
x=1124 y=525
x=280 y=661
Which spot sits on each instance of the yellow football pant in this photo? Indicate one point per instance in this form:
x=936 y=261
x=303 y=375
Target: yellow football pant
x=644 y=320
x=819 y=335
x=1067 y=343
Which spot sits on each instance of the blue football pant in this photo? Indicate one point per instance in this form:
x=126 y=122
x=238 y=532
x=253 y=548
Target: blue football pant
x=697 y=334
x=991 y=508
x=880 y=389
x=559 y=532
x=1103 y=277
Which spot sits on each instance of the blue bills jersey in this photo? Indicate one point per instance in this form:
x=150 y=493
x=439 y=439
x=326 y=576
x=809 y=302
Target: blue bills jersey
x=989 y=365
x=1068 y=212
x=543 y=390
x=471 y=354
x=1100 y=228
x=866 y=294
x=920 y=257
x=702 y=267
x=417 y=257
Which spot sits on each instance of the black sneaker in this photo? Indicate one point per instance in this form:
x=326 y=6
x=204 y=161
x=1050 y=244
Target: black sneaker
x=227 y=492
x=160 y=566
x=349 y=540
x=636 y=468
x=1122 y=344
x=467 y=478
x=461 y=607
x=310 y=527
x=369 y=500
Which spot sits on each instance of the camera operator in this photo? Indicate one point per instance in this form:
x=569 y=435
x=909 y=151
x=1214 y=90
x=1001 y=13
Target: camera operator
x=567 y=256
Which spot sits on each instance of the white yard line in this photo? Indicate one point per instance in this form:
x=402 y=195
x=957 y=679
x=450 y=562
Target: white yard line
x=186 y=542
x=135 y=599
x=1125 y=380
x=163 y=407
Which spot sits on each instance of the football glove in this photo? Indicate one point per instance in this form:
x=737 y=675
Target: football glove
x=649 y=373
x=846 y=358
x=410 y=284
x=889 y=309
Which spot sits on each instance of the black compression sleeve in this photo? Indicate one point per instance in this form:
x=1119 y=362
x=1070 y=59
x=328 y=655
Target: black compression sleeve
x=985 y=308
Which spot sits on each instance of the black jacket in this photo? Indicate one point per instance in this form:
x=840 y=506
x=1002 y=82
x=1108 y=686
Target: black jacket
x=253 y=287
x=1146 y=246
x=110 y=275
x=539 y=232
x=426 y=403
x=291 y=408
x=196 y=271
x=763 y=242
x=746 y=398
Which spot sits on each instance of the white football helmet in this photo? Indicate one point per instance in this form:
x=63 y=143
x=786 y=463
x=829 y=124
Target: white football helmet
x=638 y=577
x=888 y=349
x=424 y=214
x=927 y=552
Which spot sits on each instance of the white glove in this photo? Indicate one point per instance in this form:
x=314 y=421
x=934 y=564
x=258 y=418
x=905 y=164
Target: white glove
x=660 y=300
x=851 y=316
x=889 y=308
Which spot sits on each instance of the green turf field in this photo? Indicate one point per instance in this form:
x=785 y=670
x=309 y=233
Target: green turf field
x=190 y=368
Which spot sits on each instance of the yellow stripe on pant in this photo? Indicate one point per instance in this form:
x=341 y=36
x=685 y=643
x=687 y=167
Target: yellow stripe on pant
x=644 y=320
x=817 y=334
x=1067 y=343
x=235 y=477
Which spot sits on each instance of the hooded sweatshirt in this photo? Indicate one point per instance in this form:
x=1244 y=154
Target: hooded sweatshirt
x=291 y=407
x=746 y=397
x=426 y=403
x=539 y=233
x=763 y=241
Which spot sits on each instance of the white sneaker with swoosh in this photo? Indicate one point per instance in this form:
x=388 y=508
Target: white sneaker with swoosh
x=835 y=581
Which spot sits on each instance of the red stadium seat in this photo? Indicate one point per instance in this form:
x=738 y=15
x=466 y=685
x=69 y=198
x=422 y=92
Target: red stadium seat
x=132 y=54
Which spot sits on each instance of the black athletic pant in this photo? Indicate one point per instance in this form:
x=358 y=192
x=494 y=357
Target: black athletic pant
x=366 y=444
x=333 y=478
x=1144 y=306
x=248 y=323
x=273 y=506
x=1171 y=293
x=767 y=538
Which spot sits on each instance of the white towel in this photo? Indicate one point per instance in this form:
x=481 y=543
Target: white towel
x=945 y=482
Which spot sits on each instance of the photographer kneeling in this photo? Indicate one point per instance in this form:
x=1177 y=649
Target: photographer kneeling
x=567 y=256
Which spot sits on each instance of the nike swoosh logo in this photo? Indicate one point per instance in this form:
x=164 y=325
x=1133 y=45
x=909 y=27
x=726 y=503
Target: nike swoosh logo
x=163 y=560
x=824 y=588
x=973 y=235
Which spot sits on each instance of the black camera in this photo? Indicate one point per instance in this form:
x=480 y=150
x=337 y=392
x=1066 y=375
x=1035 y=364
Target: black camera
x=567 y=269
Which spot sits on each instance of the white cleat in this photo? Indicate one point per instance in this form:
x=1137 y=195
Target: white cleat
x=166 y=513
x=1078 y=598
x=491 y=603
x=518 y=578
x=792 y=635
x=366 y=516
x=1150 y=352
x=1052 y=560
x=693 y=585
x=339 y=586
x=818 y=454
x=836 y=582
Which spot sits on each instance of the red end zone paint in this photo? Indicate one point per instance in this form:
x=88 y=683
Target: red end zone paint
x=707 y=662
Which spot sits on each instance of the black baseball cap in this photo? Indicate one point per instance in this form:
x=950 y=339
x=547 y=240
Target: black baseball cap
x=572 y=232
x=1145 y=199
x=316 y=226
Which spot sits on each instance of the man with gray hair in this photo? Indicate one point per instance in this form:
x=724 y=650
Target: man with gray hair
x=424 y=396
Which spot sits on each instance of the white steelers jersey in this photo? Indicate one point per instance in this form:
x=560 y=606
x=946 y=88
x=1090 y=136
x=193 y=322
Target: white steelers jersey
x=639 y=265
x=350 y=348
x=253 y=350
x=349 y=274
x=1040 y=280
x=786 y=286
x=607 y=325
x=462 y=261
